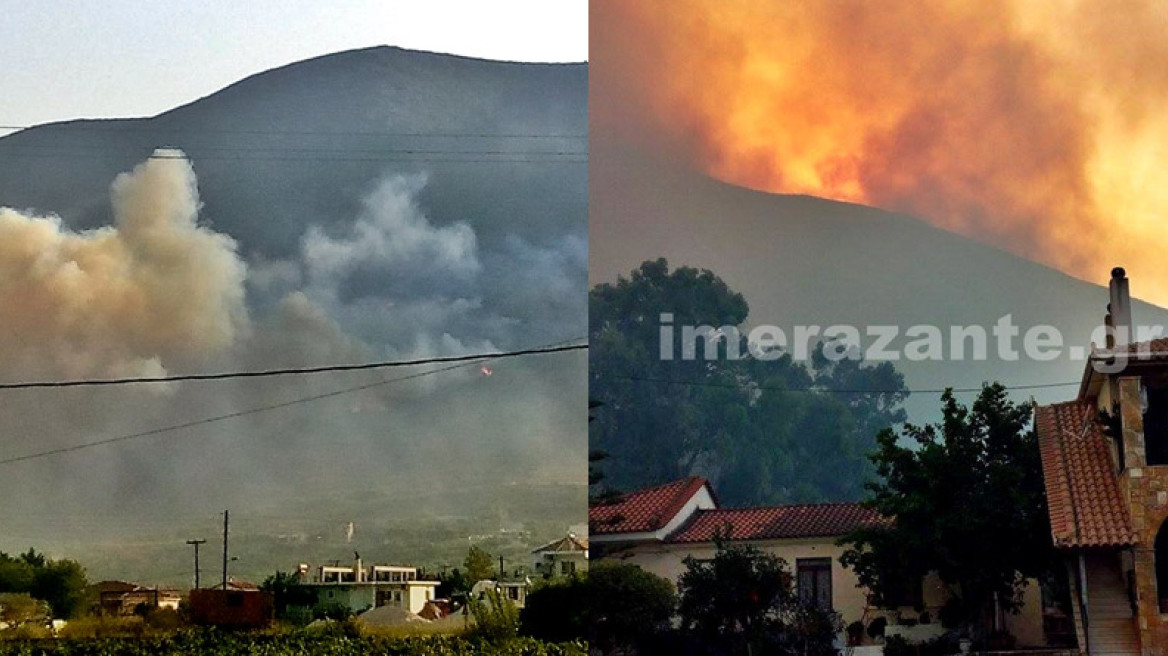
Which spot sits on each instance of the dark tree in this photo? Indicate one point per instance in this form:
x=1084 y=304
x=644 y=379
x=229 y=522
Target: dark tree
x=479 y=565
x=287 y=593
x=968 y=501
x=766 y=430
x=60 y=583
x=557 y=611
x=744 y=601
x=627 y=606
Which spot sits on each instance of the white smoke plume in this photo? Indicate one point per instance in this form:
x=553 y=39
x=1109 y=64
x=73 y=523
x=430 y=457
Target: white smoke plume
x=128 y=299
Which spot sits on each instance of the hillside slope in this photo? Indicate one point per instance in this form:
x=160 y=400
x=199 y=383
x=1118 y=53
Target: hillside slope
x=807 y=261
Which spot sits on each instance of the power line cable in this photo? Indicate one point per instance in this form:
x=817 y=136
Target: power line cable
x=274 y=406
x=292 y=371
x=580 y=158
x=92 y=124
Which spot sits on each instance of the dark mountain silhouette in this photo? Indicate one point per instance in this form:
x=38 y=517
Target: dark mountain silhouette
x=805 y=260
x=301 y=143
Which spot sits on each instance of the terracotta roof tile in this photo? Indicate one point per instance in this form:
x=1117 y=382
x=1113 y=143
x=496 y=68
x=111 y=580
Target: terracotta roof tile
x=566 y=543
x=1082 y=492
x=643 y=510
x=776 y=522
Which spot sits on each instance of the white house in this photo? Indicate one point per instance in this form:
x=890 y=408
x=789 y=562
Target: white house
x=516 y=591
x=657 y=528
x=559 y=558
x=359 y=589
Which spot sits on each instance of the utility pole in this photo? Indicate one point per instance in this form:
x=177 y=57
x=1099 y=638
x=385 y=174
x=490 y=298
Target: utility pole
x=196 y=544
x=500 y=569
x=226 y=519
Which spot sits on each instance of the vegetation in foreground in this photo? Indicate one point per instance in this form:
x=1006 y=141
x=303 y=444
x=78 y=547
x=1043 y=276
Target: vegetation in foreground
x=343 y=639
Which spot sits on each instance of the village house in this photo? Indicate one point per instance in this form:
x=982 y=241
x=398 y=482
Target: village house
x=515 y=591
x=1105 y=468
x=122 y=599
x=361 y=588
x=656 y=529
x=561 y=558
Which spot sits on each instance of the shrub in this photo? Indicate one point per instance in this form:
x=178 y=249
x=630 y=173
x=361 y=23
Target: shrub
x=496 y=618
x=557 y=611
x=855 y=632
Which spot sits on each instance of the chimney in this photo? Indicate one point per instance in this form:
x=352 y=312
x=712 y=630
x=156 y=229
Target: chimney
x=1121 y=307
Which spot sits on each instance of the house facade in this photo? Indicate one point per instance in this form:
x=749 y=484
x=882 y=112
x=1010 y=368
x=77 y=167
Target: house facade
x=1105 y=468
x=123 y=599
x=561 y=558
x=514 y=591
x=361 y=588
x=656 y=529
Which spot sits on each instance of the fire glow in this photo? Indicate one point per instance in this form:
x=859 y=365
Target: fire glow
x=1034 y=127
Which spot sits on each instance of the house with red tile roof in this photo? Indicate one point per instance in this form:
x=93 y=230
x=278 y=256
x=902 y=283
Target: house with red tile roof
x=659 y=527
x=1105 y=468
x=561 y=558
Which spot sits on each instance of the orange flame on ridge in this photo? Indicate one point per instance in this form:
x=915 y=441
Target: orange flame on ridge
x=1035 y=127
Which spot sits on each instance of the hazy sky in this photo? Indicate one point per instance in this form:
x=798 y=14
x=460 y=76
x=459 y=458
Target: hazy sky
x=62 y=59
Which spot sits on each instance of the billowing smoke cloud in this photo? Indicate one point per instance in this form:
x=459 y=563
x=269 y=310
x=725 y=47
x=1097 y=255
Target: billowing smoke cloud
x=159 y=291
x=127 y=299
x=1035 y=127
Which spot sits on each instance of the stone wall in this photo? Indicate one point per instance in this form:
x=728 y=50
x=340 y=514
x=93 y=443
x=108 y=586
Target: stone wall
x=1147 y=493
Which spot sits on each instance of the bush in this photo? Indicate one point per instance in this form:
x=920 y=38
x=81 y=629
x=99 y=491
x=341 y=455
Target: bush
x=855 y=632
x=496 y=618
x=164 y=619
x=293 y=643
x=627 y=606
x=942 y=646
x=557 y=611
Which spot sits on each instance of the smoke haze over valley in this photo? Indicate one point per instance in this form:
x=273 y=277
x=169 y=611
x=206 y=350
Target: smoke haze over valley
x=369 y=205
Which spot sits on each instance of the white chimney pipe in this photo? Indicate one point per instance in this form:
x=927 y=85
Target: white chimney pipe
x=1121 y=307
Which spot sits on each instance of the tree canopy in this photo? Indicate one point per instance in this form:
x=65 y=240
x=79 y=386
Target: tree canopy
x=627 y=606
x=479 y=564
x=744 y=601
x=764 y=430
x=968 y=499
x=59 y=583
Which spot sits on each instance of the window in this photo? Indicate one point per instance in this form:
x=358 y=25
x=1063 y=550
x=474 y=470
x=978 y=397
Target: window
x=567 y=567
x=813 y=576
x=1156 y=425
x=235 y=600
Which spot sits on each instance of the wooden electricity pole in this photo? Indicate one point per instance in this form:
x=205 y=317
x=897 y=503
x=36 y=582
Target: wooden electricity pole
x=226 y=519
x=196 y=544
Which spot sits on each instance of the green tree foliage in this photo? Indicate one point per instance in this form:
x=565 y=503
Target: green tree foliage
x=18 y=608
x=770 y=430
x=627 y=606
x=496 y=618
x=453 y=583
x=557 y=610
x=968 y=499
x=479 y=564
x=288 y=596
x=60 y=583
x=744 y=601
x=291 y=643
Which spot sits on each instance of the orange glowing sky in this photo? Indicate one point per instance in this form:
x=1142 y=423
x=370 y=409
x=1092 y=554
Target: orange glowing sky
x=1037 y=127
